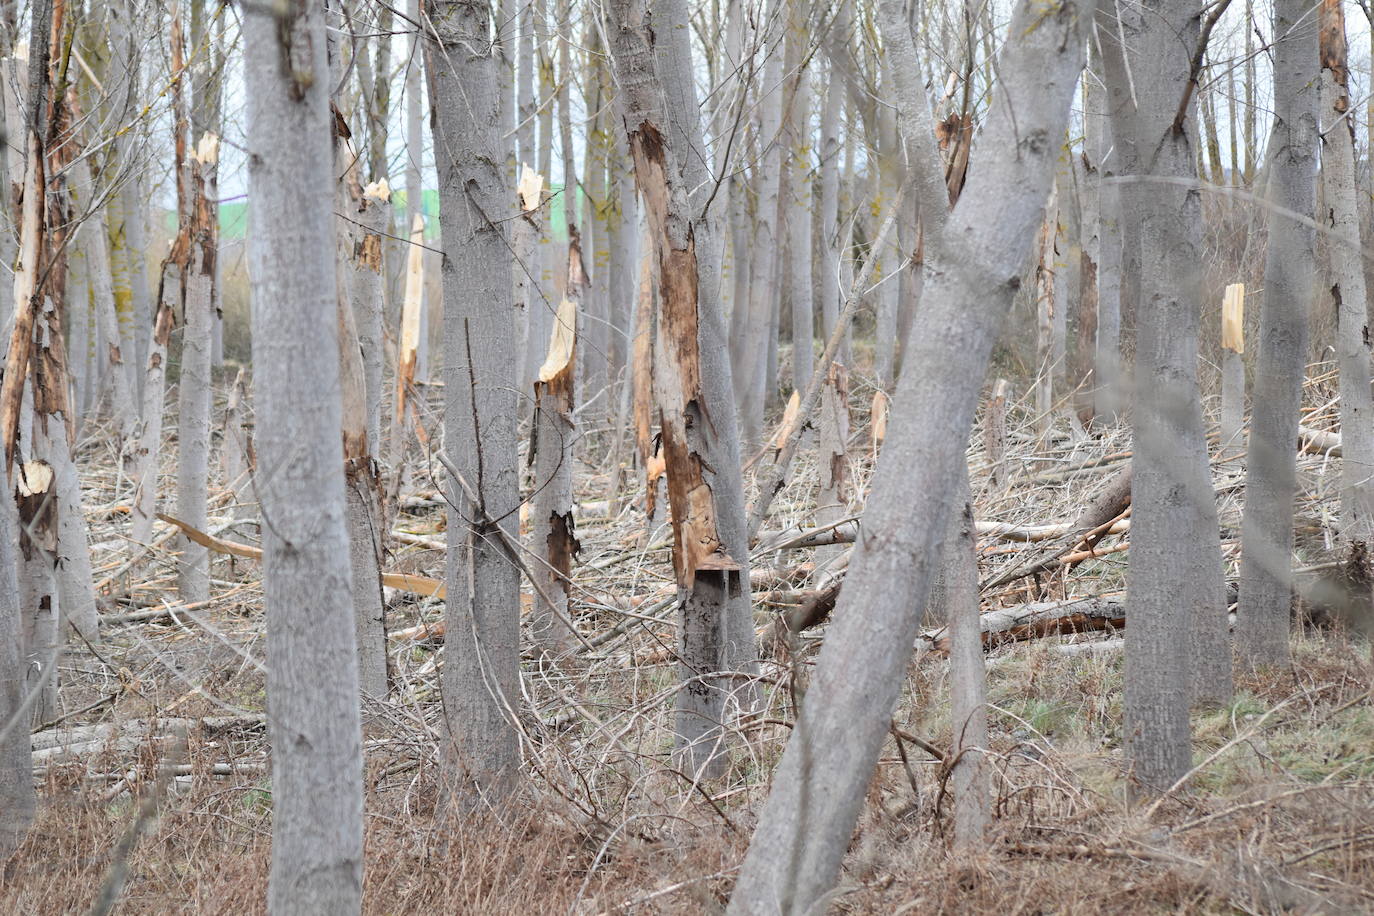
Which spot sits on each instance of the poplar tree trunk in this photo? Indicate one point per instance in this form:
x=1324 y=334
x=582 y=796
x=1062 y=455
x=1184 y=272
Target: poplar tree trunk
x=482 y=652
x=312 y=682
x=1175 y=584
x=1341 y=218
x=1266 y=574
x=819 y=787
x=17 y=797
x=691 y=382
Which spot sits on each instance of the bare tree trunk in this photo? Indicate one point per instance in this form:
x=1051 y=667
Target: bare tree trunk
x=801 y=293
x=482 y=655
x=692 y=386
x=17 y=797
x=1108 y=393
x=829 y=287
x=1341 y=217
x=818 y=790
x=551 y=524
x=751 y=385
x=1175 y=584
x=1266 y=578
x=312 y=681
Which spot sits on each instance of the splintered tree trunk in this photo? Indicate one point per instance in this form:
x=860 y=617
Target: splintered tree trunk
x=193 y=387
x=1266 y=575
x=1232 y=373
x=1177 y=648
x=312 y=681
x=551 y=528
x=819 y=787
x=1341 y=216
x=832 y=457
x=141 y=461
x=17 y=797
x=36 y=493
x=481 y=677
x=699 y=445
x=358 y=268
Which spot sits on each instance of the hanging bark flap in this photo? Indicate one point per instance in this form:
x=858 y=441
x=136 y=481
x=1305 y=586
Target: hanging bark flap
x=557 y=368
x=37 y=500
x=789 y=420
x=414 y=293
x=878 y=417
x=530 y=188
x=1233 y=318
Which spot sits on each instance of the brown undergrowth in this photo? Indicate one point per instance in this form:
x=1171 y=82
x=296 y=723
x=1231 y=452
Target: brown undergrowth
x=1275 y=818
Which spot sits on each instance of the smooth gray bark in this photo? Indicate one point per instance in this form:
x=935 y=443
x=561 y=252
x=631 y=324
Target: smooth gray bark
x=17 y=797
x=1178 y=647
x=819 y=788
x=312 y=681
x=1266 y=575
x=1341 y=218
x=1104 y=160
x=482 y=652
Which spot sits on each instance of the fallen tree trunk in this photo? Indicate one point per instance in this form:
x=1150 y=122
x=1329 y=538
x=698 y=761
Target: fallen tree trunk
x=1040 y=619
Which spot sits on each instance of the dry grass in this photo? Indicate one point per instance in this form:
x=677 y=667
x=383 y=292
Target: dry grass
x=1278 y=820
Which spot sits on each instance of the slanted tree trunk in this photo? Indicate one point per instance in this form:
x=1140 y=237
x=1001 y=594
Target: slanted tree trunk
x=700 y=448
x=1266 y=575
x=481 y=666
x=1175 y=583
x=312 y=681
x=820 y=785
x=1341 y=217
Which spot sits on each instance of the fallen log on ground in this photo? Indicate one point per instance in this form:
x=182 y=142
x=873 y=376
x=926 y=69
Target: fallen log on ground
x=1040 y=619
x=1093 y=524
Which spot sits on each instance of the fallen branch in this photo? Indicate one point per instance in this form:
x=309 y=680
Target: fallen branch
x=403 y=582
x=1040 y=619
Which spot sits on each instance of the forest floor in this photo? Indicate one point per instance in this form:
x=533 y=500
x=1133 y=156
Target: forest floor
x=162 y=736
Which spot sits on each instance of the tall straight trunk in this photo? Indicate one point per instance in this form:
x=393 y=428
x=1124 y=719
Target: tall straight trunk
x=481 y=677
x=1179 y=650
x=820 y=785
x=193 y=386
x=17 y=797
x=415 y=205
x=95 y=246
x=128 y=211
x=1266 y=573
x=358 y=263
x=691 y=380
x=82 y=333
x=828 y=289
x=1108 y=391
x=800 y=291
x=751 y=385
x=551 y=522
x=141 y=461
x=312 y=682
x=1341 y=217
x=624 y=256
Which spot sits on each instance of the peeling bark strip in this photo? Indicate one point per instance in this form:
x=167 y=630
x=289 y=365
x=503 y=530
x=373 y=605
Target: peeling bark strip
x=677 y=377
x=31 y=232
